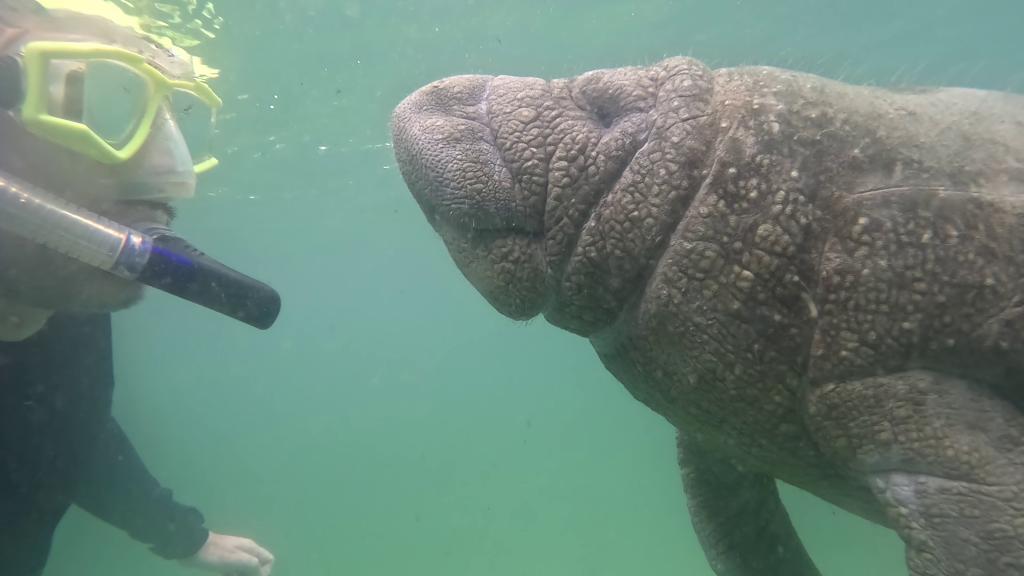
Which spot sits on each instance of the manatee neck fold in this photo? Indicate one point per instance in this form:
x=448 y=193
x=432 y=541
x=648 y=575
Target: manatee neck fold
x=650 y=161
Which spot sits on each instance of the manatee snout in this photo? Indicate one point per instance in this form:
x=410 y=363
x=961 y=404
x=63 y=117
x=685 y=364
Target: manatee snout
x=556 y=197
x=445 y=143
x=446 y=153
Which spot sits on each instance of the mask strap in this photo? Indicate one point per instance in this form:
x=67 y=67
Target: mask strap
x=12 y=92
x=9 y=35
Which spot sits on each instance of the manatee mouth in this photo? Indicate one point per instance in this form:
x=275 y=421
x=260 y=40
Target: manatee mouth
x=502 y=258
x=449 y=153
x=507 y=268
x=450 y=157
x=460 y=218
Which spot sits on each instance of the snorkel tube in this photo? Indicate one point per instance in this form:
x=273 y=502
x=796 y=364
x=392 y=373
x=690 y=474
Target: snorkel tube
x=154 y=256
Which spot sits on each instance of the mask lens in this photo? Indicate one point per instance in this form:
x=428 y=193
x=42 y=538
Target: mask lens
x=196 y=121
x=65 y=82
x=114 y=100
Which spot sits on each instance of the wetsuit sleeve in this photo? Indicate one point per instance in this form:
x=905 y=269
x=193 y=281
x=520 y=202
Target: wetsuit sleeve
x=117 y=488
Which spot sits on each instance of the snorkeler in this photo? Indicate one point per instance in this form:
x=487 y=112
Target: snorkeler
x=100 y=130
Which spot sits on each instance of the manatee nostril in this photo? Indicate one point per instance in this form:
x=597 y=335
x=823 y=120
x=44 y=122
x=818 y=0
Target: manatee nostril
x=605 y=116
x=605 y=109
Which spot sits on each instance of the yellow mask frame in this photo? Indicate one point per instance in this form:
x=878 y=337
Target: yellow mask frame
x=36 y=59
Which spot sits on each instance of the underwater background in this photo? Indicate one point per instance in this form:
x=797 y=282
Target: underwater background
x=392 y=422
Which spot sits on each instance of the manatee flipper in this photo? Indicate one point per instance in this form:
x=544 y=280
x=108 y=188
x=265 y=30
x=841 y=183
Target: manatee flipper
x=945 y=458
x=739 y=518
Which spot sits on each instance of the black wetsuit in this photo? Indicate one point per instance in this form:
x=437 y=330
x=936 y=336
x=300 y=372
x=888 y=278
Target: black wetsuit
x=59 y=445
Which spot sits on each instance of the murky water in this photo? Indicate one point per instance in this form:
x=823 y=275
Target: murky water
x=391 y=422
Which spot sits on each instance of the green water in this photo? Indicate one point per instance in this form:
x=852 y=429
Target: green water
x=391 y=422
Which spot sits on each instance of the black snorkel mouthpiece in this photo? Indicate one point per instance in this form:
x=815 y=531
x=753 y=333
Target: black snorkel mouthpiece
x=154 y=256
x=176 y=267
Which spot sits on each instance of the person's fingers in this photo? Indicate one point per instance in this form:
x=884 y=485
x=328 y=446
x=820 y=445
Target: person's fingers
x=264 y=556
x=241 y=563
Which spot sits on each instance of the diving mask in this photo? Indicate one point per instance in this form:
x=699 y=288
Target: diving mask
x=103 y=101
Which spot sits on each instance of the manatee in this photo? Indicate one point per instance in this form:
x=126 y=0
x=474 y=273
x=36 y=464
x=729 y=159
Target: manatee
x=814 y=282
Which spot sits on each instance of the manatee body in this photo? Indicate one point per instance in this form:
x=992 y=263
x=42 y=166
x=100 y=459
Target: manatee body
x=812 y=281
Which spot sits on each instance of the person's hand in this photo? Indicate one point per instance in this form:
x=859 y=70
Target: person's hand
x=232 y=556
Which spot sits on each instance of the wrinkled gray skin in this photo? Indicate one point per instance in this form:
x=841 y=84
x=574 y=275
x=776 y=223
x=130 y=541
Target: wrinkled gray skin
x=814 y=282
